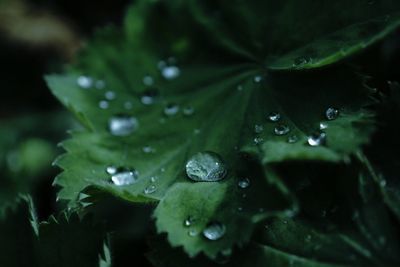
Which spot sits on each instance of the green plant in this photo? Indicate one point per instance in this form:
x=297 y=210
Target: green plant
x=273 y=99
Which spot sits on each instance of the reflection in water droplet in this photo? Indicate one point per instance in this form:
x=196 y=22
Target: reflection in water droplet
x=103 y=104
x=331 y=113
x=274 y=117
x=281 y=129
x=148 y=80
x=206 y=167
x=244 y=183
x=170 y=72
x=84 y=82
x=258 y=128
x=149 y=97
x=124 y=176
x=171 y=109
x=188 y=111
x=214 y=231
x=110 y=95
x=292 y=139
x=317 y=139
x=150 y=189
x=122 y=125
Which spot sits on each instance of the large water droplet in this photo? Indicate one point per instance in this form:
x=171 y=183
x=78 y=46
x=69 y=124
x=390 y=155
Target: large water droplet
x=281 y=129
x=214 y=231
x=171 y=109
x=317 y=139
x=123 y=176
x=149 y=97
x=244 y=183
x=331 y=113
x=122 y=125
x=274 y=116
x=170 y=72
x=148 y=80
x=206 y=167
x=84 y=82
x=150 y=189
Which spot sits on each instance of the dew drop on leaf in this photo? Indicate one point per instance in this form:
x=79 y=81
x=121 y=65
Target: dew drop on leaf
x=100 y=84
x=206 y=167
x=110 y=95
x=258 y=128
x=154 y=179
x=188 y=111
x=122 y=125
x=214 y=231
x=111 y=170
x=331 y=113
x=171 y=109
x=148 y=80
x=149 y=97
x=124 y=176
x=189 y=221
x=170 y=72
x=128 y=105
x=323 y=125
x=103 y=104
x=84 y=82
x=193 y=232
x=281 y=129
x=148 y=149
x=317 y=139
x=244 y=183
x=292 y=139
x=258 y=140
x=274 y=117
x=150 y=189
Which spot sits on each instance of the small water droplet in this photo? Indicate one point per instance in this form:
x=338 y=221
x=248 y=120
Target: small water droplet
x=188 y=111
x=292 y=139
x=382 y=183
x=214 y=231
x=196 y=131
x=240 y=209
x=323 y=125
x=189 y=221
x=281 y=129
x=122 y=125
x=193 y=232
x=257 y=79
x=100 y=84
x=148 y=149
x=124 y=176
x=308 y=238
x=170 y=72
x=128 y=105
x=110 y=95
x=148 y=80
x=239 y=87
x=171 y=109
x=84 y=82
x=302 y=60
x=331 y=113
x=244 y=183
x=149 y=97
x=258 y=140
x=258 y=128
x=111 y=170
x=261 y=210
x=206 y=167
x=161 y=64
x=274 y=117
x=317 y=139
x=103 y=104
x=154 y=179
x=150 y=189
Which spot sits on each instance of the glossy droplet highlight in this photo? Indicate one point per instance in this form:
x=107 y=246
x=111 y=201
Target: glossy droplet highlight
x=171 y=109
x=206 y=167
x=170 y=72
x=103 y=104
x=331 y=113
x=317 y=139
x=214 y=231
x=148 y=80
x=244 y=183
x=150 y=189
x=123 y=177
x=274 y=116
x=149 y=97
x=281 y=129
x=189 y=221
x=110 y=95
x=257 y=79
x=84 y=82
x=258 y=140
x=122 y=125
x=111 y=170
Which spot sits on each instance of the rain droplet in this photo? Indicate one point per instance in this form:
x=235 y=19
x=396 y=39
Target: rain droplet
x=281 y=129
x=257 y=79
x=111 y=170
x=124 y=176
x=84 y=82
x=239 y=87
x=317 y=139
x=331 y=113
x=193 y=232
x=149 y=97
x=148 y=80
x=258 y=140
x=171 y=109
x=323 y=125
x=292 y=139
x=100 y=84
x=301 y=61
x=110 y=95
x=258 y=128
x=244 y=183
x=122 y=125
x=214 y=231
x=170 y=72
x=274 y=117
x=189 y=221
x=103 y=104
x=150 y=189
x=148 y=149
x=206 y=167
x=188 y=111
